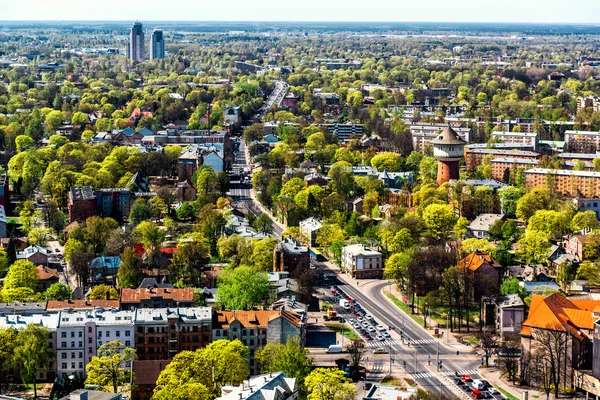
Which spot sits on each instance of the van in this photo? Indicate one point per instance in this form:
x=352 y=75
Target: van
x=335 y=348
x=478 y=384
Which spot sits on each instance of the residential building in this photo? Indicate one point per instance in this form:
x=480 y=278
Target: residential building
x=362 y=262
x=47 y=277
x=3 y=231
x=291 y=256
x=510 y=313
x=574 y=244
x=480 y=227
x=55 y=306
x=116 y=203
x=484 y=271
x=136 y=42
x=566 y=182
x=146 y=372
x=79 y=334
x=582 y=141
x=588 y=205
x=35 y=254
x=4 y=192
x=448 y=150
x=162 y=333
x=309 y=228
x=274 y=385
x=82 y=203
x=257 y=328
x=22 y=308
x=156 y=298
x=105 y=268
x=157 y=45
x=345 y=131
x=49 y=321
x=585 y=102
x=530 y=139
x=197 y=155
x=232 y=116
x=422 y=134
x=186 y=191
x=474 y=156
x=502 y=167
x=573 y=318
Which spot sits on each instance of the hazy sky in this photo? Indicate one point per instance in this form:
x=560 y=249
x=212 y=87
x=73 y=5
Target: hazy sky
x=582 y=11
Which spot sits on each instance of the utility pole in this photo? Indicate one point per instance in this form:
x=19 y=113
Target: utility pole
x=447 y=326
x=416 y=364
x=390 y=352
x=437 y=357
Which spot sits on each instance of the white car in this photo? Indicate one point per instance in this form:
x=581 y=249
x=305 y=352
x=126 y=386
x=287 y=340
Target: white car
x=371 y=329
x=493 y=390
x=379 y=337
x=380 y=328
x=385 y=335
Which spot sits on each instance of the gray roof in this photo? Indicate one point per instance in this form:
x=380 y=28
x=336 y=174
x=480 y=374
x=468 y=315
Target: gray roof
x=563 y=172
x=484 y=221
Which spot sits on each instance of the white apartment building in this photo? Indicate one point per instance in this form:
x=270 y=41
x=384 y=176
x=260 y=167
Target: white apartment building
x=362 y=262
x=308 y=229
x=530 y=139
x=80 y=334
x=582 y=141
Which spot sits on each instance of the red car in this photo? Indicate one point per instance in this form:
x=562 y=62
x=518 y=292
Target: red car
x=349 y=299
x=477 y=394
x=466 y=378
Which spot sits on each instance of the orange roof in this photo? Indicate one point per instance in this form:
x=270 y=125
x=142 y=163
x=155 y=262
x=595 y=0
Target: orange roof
x=45 y=273
x=80 y=304
x=137 y=295
x=252 y=318
x=476 y=259
x=556 y=312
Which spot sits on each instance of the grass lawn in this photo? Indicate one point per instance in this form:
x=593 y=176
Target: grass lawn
x=507 y=395
x=404 y=308
x=12 y=220
x=348 y=331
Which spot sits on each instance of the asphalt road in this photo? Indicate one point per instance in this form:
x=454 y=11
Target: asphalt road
x=420 y=356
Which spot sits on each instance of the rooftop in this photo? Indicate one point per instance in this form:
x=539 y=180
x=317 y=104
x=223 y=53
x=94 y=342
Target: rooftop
x=448 y=137
x=82 y=193
x=484 y=221
x=99 y=315
x=137 y=295
x=272 y=386
x=360 y=249
x=522 y=153
x=162 y=315
x=253 y=318
x=510 y=160
x=57 y=305
x=510 y=300
x=521 y=134
x=563 y=172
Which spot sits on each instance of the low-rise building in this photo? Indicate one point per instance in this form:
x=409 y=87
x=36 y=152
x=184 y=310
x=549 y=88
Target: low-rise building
x=309 y=228
x=86 y=394
x=480 y=227
x=384 y=392
x=362 y=262
x=510 y=314
x=47 y=277
x=588 y=205
x=484 y=271
x=257 y=328
x=291 y=256
x=55 y=306
x=156 y=298
x=35 y=254
x=274 y=385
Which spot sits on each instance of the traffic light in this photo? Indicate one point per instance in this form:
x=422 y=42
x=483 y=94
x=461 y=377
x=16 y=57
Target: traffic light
x=440 y=366
x=404 y=364
x=457 y=352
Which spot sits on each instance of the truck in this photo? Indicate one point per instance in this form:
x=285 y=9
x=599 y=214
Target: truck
x=331 y=314
x=346 y=304
x=335 y=348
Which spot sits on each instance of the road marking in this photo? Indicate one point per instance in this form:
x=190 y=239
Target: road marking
x=461 y=372
x=422 y=341
x=423 y=375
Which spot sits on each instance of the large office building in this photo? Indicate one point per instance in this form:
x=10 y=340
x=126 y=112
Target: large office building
x=157 y=45
x=136 y=42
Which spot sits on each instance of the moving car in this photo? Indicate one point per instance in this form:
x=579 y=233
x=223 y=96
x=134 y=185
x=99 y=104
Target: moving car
x=335 y=348
x=380 y=350
x=476 y=394
x=466 y=378
x=379 y=337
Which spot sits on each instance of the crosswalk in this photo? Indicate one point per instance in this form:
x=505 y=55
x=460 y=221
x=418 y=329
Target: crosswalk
x=422 y=341
x=423 y=375
x=383 y=343
x=461 y=372
x=376 y=368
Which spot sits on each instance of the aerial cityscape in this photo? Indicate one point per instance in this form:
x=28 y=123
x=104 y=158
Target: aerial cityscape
x=274 y=210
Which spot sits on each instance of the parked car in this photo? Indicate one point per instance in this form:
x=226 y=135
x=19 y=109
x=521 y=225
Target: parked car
x=476 y=394
x=493 y=390
x=386 y=334
x=458 y=381
x=466 y=378
x=379 y=337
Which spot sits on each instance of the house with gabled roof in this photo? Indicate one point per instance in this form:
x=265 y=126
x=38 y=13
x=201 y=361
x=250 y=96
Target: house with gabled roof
x=484 y=271
x=557 y=313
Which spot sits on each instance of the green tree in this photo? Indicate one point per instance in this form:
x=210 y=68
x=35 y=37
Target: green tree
x=472 y=244
x=263 y=224
x=202 y=373
x=291 y=358
x=192 y=250
x=392 y=162
x=242 y=288
x=23 y=142
x=584 y=220
x=58 y=291
x=536 y=199
x=22 y=274
x=32 y=353
x=111 y=368
x=549 y=221
x=589 y=271
x=103 y=292
x=130 y=272
x=262 y=254
x=329 y=384
x=40 y=236
x=140 y=211
x=185 y=212
x=439 y=219
x=79 y=118
x=149 y=234
x=533 y=247
x=8 y=341
x=511 y=286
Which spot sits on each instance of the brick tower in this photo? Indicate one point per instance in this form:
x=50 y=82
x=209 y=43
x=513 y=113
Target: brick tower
x=448 y=149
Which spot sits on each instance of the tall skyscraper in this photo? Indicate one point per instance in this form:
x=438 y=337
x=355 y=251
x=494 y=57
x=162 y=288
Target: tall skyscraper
x=136 y=42
x=157 y=45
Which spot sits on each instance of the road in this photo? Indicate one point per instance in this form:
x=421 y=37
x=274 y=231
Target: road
x=275 y=98
x=419 y=358
x=241 y=194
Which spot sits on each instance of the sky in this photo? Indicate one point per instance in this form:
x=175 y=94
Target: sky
x=541 y=11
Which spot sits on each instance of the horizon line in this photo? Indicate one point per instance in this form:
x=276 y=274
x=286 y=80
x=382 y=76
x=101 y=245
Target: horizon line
x=302 y=21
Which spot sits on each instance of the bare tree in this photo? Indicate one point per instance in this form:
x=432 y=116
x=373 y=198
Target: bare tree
x=509 y=358
x=355 y=349
x=552 y=354
x=80 y=265
x=525 y=368
x=488 y=343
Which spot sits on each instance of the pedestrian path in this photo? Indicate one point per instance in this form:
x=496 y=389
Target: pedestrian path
x=377 y=368
x=422 y=341
x=461 y=372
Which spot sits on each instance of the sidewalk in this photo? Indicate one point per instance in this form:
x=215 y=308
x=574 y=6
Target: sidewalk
x=493 y=375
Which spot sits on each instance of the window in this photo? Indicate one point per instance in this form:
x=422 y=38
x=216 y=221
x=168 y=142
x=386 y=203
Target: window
x=63 y=344
x=80 y=334
x=80 y=344
x=89 y=350
x=63 y=334
x=244 y=332
x=90 y=340
x=63 y=355
x=73 y=355
x=99 y=334
x=72 y=334
x=72 y=344
x=128 y=343
x=73 y=365
x=118 y=333
x=100 y=343
x=80 y=365
x=89 y=329
x=127 y=333
x=217 y=332
x=64 y=365
x=81 y=354
x=107 y=334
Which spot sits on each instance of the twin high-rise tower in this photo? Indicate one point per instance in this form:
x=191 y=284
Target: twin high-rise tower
x=136 y=43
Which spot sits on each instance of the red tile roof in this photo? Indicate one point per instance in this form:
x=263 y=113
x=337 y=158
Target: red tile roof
x=252 y=318
x=137 y=295
x=80 y=304
x=476 y=259
x=45 y=273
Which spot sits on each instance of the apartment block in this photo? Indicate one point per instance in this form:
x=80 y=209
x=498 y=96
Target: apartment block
x=423 y=134
x=566 y=182
x=362 y=262
x=156 y=298
x=517 y=137
x=582 y=141
x=474 y=156
x=501 y=164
